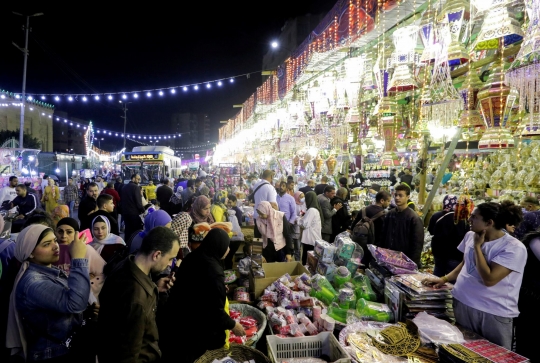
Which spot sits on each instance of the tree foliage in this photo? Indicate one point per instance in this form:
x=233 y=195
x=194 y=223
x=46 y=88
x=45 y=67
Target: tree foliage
x=29 y=141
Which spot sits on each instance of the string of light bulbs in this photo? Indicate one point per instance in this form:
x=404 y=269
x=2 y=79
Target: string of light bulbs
x=101 y=131
x=130 y=94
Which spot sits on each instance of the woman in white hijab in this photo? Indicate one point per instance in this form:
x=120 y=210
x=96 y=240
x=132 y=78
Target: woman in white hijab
x=46 y=306
x=104 y=242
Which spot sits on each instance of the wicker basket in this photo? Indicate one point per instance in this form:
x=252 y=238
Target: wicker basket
x=240 y=353
x=248 y=310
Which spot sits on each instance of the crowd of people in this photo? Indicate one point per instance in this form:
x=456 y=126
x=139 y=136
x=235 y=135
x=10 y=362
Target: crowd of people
x=131 y=266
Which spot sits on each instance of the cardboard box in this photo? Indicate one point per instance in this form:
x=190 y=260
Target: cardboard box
x=274 y=271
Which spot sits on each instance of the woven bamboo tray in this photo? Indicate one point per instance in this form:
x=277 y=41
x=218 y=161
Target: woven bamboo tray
x=240 y=353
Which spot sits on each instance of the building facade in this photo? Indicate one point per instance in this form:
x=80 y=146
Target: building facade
x=38 y=119
x=67 y=137
x=195 y=129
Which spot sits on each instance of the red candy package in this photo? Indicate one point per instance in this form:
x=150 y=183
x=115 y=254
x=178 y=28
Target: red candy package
x=251 y=331
x=236 y=339
x=235 y=314
x=285 y=330
x=248 y=321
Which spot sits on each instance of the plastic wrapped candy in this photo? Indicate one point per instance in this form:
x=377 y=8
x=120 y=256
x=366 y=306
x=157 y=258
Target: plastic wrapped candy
x=234 y=314
x=340 y=238
x=341 y=276
x=236 y=339
x=390 y=258
x=312 y=260
x=370 y=310
x=248 y=321
x=346 y=249
x=323 y=290
x=338 y=314
x=326 y=269
x=325 y=251
x=346 y=299
x=362 y=288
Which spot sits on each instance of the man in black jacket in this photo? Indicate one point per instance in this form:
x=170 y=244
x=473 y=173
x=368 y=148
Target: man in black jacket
x=88 y=205
x=377 y=210
x=132 y=207
x=309 y=187
x=319 y=188
x=163 y=195
x=129 y=300
x=403 y=229
x=341 y=220
x=106 y=208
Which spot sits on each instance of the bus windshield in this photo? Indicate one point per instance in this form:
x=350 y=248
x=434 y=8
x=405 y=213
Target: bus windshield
x=151 y=171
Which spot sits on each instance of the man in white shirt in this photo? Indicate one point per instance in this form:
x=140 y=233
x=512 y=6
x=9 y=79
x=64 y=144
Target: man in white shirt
x=44 y=183
x=100 y=184
x=8 y=193
x=264 y=191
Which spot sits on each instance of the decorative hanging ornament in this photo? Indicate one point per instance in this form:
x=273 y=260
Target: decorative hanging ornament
x=471 y=120
x=368 y=81
x=456 y=14
x=442 y=111
x=500 y=25
x=427 y=35
x=524 y=74
x=495 y=101
x=390 y=123
x=404 y=56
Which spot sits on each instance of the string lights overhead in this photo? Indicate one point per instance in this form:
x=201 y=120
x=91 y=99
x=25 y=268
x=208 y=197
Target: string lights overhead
x=44 y=98
x=130 y=136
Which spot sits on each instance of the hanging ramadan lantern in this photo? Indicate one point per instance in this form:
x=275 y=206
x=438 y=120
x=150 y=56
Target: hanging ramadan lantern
x=404 y=56
x=390 y=122
x=382 y=67
x=471 y=120
x=354 y=71
x=456 y=14
x=427 y=35
x=368 y=80
x=500 y=26
x=524 y=73
x=495 y=101
x=442 y=112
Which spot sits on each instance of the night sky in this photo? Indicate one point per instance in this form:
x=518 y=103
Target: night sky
x=94 y=47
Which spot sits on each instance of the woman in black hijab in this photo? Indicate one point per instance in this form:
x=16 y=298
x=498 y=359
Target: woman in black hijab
x=194 y=319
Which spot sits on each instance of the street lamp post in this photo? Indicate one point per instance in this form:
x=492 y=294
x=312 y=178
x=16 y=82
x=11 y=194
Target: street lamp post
x=124 y=104
x=25 y=51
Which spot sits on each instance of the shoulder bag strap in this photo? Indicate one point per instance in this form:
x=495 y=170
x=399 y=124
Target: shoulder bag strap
x=443 y=216
x=380 y=214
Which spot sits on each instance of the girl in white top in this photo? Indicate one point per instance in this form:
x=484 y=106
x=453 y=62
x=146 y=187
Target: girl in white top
x=489 y=278
x=311 y=224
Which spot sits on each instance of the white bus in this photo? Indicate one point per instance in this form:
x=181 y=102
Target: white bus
x=151 y=162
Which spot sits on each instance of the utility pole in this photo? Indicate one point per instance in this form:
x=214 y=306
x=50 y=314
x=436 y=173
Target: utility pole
x=25 y=51
x=125 y=120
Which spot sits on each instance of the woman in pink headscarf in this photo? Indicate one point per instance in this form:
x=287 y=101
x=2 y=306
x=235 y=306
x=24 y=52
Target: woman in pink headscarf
x=275 y=230
x=200 y=210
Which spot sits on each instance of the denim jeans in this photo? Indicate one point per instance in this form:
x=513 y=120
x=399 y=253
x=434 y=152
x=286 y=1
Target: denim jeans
x=297 y=249
x=71 y=205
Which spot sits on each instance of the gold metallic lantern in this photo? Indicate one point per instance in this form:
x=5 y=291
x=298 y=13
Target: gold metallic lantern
x=495 y=101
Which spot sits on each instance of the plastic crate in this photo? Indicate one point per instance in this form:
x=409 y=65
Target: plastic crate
x=325 y=343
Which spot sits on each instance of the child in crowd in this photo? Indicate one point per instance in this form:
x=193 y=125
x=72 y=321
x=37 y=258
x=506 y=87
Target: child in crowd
x=244 y=264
